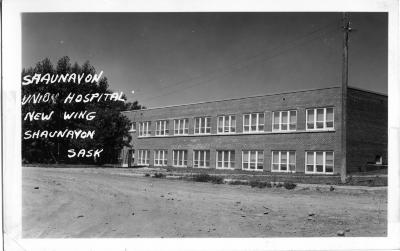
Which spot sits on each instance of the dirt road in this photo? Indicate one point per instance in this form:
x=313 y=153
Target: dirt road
x=99 y=203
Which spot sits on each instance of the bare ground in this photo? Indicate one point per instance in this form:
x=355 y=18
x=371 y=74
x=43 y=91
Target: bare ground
x=101 y=203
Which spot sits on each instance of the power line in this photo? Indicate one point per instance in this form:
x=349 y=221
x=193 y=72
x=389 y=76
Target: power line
x=240 y=60
x=222 y=74
x=247 y=64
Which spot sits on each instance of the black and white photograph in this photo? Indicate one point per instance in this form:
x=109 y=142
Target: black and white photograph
x=190 y=125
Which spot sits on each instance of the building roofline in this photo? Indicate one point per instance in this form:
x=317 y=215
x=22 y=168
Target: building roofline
x=255 y=96
x=365 y=90
x=221 y=100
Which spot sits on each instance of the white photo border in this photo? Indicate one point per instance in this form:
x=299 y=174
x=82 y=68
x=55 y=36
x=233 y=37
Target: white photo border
x=11 y=117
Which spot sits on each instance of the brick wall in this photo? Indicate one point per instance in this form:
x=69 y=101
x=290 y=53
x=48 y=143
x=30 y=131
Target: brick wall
x=299 y=141
x=367 y=128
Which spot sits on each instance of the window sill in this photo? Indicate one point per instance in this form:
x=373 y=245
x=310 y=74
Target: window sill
x=279 y=171
x=283 y=131
x=225 y=168
x=253 y=170
x=242 y=133
x=320 y=130
x=315 y=173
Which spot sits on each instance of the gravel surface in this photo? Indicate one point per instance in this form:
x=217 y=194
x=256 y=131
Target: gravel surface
x=63 y=203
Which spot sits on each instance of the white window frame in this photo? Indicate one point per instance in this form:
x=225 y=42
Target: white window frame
x=177 y=124
x=249 y=158
x=162 y=128
x=143 y=157
x=160 y=157
x=176 y=154
x=257 y=114
x=205 y=154
x=225 y=159
x=145 y=129
x=280 y=163
x=132 y=127
x=280 y=121
x=226 y=124
x=201 y=123
x=324 y=119
x=323 y=162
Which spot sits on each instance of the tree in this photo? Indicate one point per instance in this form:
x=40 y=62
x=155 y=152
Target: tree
x=134 y=106
x=111 y=127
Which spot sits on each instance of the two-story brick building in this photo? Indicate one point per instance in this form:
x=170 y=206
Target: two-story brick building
x=296 y=131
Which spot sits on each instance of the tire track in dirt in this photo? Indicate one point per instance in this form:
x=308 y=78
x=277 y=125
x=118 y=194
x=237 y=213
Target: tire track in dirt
x=121 y=206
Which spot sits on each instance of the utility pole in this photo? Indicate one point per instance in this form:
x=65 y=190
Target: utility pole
x=345 y=69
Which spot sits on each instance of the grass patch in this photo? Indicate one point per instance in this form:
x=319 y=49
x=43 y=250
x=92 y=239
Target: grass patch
x=238 y=182
x=203 y=177
x=289 y=185
x=275 y=178
x=366 y=181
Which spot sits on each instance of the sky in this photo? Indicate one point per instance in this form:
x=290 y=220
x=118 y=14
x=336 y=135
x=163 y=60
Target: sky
x=163 y=59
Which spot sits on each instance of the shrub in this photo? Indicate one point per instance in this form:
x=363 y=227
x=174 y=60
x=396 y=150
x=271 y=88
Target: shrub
x=159 y=175
x=289 y=185
x=238 y=182
x=208 y=178
x=203 y=177
x=256 y=183
x=349 y=179
x=147 y=175
x=217 y=180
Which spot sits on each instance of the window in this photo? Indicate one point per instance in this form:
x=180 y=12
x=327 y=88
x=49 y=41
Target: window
x=225 y=159
x=320 y=118
x=319 y=162
x=181 y=126
x=132 y=127
x=201 y=158
x=202 y=125
x=378 y=160
x=144 y=156
x=162 y=128
x=144 y=129
x=227 y=124
x=253 y=122
x=160 y=157
x=253 y=160
x=284 y=121
x=283 y=161
x=179 y=158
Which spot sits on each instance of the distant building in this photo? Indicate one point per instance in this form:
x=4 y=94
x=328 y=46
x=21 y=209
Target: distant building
x=287 y=132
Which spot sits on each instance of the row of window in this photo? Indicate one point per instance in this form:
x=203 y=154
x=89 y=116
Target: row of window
x=316 y=119
x=282 y=161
